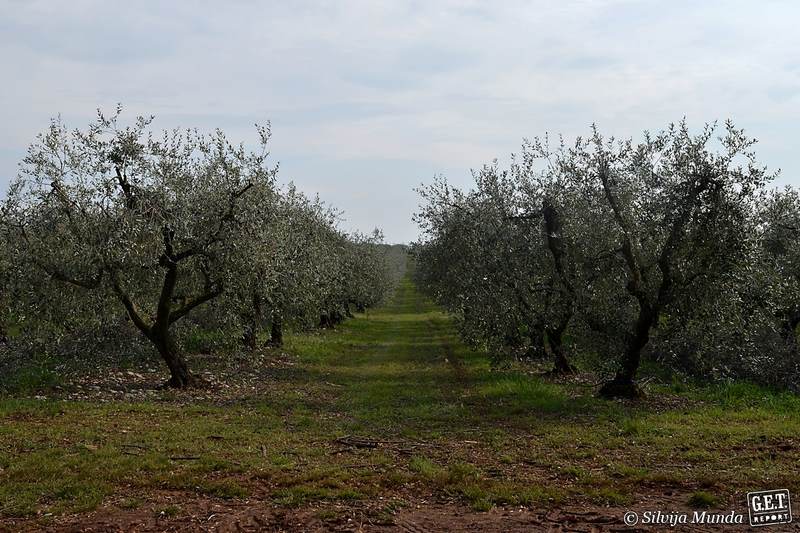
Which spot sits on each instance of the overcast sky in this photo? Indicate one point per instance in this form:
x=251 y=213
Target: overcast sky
x=368 y=99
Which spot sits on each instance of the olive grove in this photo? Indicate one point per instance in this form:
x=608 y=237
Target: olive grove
x=119 y=225
x=669 y=248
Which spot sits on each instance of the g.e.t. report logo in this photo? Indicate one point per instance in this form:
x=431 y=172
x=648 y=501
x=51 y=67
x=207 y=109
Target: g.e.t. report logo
x=769 y=507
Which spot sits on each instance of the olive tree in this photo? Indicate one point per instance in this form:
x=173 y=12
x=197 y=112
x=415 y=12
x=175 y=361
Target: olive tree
x=677 y=203
x=300 y=267
x=607 y=240
x=296 y=293
x=149 y=221
x=497 y=257
x=356 y=275
x=780 y=261
x=5 y=287
x=455 y=261
x=746 y=328
x=281 y=277
x=367 y=279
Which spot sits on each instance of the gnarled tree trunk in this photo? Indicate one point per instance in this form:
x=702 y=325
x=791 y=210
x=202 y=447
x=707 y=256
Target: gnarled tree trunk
x=251 y=329
x=249 y=338
x=180 y=377
x=790 y=319
x=276 y=331
x=555 y=243
x=624 y=385
x=325 y=320
x=561 y=364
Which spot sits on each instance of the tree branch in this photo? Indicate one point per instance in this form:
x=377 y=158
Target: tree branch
x=200 y=300
x=127 y=189
x=227 y=216
x=59 y=275
x=665 y=257
x=163 y=309
x=628 y=252
x=130 y=307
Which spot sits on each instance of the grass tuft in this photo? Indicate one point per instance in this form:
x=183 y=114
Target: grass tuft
x=703 y=500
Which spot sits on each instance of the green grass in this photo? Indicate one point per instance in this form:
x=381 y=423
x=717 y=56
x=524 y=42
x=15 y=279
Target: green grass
x=703 y=500
x=449 y=426
x=30 y=379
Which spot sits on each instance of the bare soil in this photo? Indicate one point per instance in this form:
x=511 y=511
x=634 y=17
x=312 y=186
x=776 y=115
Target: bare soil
x=204 y=514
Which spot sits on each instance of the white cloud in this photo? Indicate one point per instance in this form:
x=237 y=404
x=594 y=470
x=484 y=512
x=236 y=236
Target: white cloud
x=398 y=91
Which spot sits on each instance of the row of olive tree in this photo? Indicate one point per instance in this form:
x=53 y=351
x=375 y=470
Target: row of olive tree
x=115 y=218
x=625 y=249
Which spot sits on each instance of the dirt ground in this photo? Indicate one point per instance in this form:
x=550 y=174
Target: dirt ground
x=252 y=515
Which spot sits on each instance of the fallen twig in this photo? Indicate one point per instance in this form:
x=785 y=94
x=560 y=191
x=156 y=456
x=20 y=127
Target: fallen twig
x=134 y=446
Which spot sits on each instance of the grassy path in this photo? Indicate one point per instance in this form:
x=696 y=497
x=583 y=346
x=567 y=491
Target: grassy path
x=388 y=413
x=401 y=368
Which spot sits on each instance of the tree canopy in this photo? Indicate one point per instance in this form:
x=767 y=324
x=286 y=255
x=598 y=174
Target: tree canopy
x=606 y=243
x=159 y=224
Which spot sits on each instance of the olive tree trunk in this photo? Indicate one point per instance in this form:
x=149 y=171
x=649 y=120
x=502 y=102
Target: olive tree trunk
x=276 y=331
x=555 y=243
x=180 y=377
x=624 y=385
x=561 y=364
x=253 y=324
x=788 y=329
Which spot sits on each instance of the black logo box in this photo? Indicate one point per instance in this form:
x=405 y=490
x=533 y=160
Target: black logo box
x=769 y=507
